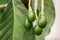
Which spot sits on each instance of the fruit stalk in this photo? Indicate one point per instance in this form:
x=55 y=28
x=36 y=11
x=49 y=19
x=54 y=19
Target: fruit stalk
x=42 y=8
x=29 y=6
x=35 y=9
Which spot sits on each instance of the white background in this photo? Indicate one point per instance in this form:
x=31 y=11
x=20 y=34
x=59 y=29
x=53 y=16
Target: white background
x=55 y=30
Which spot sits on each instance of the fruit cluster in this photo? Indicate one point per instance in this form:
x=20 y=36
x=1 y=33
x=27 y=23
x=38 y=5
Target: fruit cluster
x=40 y=23
x=30 y=18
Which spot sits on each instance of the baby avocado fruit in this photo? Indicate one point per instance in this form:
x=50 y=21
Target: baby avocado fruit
x=37 y=30
x=31 y=16
x=27 y=24
x=42 y=22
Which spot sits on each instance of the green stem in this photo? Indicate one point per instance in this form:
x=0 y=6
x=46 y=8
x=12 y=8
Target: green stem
x=42 y=8
x=29 y=6
x=35 y=9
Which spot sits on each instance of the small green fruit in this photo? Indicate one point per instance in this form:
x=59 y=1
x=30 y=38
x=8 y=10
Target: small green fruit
x=37 y=30
x=27 y=24
x=42 y=22
x=31 y=16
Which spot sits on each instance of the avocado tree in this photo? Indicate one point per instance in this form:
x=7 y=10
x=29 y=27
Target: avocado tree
x=13 y=14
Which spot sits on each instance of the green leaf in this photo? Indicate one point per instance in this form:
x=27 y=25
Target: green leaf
x=3 y=1
x=50 y=14
x=12 y=22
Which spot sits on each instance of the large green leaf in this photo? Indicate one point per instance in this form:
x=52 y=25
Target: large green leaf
x=12 y=22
